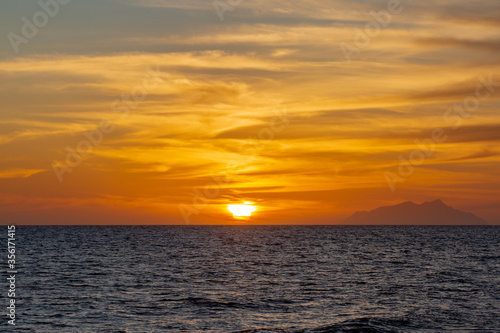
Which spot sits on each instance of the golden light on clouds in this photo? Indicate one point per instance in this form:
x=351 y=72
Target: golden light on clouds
x=216 y=112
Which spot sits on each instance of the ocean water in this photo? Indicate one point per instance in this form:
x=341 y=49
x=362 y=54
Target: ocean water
x=257 y=279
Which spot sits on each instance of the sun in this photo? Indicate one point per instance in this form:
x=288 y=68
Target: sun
x=242 y=211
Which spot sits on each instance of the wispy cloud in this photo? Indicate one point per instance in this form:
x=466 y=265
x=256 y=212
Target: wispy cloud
x=221 y=83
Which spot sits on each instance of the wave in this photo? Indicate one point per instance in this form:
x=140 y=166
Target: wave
x=360 y=325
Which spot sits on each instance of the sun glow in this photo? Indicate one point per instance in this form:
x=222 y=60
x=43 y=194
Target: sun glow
x=242 y=211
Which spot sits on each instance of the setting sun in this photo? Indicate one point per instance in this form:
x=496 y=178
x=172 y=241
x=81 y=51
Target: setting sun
x=241 y=211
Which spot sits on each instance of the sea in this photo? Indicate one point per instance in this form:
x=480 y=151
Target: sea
x=246 y=278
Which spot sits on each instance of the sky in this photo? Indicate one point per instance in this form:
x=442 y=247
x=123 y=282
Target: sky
x=166 y=112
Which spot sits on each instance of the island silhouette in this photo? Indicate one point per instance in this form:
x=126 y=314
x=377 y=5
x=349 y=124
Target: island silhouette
x=409 y=213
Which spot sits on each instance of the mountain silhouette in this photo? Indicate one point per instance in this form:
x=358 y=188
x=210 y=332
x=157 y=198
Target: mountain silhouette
x=408 y=213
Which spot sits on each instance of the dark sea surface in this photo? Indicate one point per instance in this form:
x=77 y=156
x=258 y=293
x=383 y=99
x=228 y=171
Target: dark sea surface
x=257 y=279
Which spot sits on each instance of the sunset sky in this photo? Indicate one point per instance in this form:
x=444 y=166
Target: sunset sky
x=288 y=105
